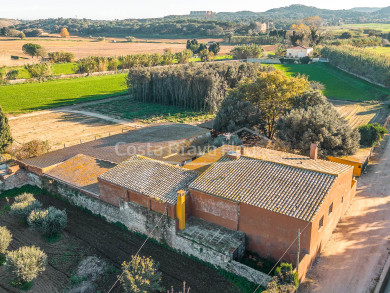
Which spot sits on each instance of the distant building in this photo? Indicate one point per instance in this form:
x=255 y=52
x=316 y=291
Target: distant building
x=299 y=52
x=264 y=27
x=201 y=13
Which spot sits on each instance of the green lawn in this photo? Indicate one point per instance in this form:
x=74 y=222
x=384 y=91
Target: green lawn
x=58 y=69
x=22 y=98
x=338 y=84
x=385 y=27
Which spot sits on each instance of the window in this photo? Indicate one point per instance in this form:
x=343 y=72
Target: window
x=321 y=223
x=342 y=199
x=331 y=208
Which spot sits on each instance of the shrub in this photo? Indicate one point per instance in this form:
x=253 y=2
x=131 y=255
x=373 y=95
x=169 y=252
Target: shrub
x=371 y=134
x=247 y=51
x=12 y=74
x=23 y=206
x=224 y=140
x=5 y=239
x=26 y=263
x=49 y=222
x=286 y=280
x=39 y=71
x=141 y=275
x=61 y=57
x=92 y=64
x=112 y=63
x=320 y=124
x=5 y=132
x=235 y=114
x=130 y=39
x=29 y=149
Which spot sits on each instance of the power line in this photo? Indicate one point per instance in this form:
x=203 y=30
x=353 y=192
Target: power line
x=257 y=288
x=143 y=244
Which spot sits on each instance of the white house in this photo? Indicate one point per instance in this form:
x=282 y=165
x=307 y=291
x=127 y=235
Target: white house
x=299 y=52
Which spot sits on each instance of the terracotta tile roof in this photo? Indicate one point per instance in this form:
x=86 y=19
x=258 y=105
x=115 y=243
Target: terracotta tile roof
x=81 y=171
x=150 y=177
x=142 y=141
x=298 y=161
x=272 y=186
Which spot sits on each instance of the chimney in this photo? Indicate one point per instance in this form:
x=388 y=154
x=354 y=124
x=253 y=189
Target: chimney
x=233 y=155
x=313 y=151
x=242 y=150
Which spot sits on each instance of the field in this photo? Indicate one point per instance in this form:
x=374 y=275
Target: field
x=381 y=50
x=83 y=47
x=338 y=84
x=22 y=98
x=126 y=108
x=87 y=235
x=385 y=27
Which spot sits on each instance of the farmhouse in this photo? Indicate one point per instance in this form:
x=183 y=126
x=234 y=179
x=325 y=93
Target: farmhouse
x=299 y=52
x=228 y=200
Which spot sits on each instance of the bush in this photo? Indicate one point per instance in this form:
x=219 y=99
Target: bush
x=286 y=280
x=235 y=114
x=26 y=263
x=141 y=275
x=39 y=71
x=371 y=134
x=29 y=149
x=112 y=63
x=24 y=204
x=49 y=222
x=130 y=39
x=61 y=57
x=5 y=239
x=92 y=64
x=247 y=51
x=320 y=124
x=224 y=140
x=12 y=74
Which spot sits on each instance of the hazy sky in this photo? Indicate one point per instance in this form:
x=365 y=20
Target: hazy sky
x=120 y=9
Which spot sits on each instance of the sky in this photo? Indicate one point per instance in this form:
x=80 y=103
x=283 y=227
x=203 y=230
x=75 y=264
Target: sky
x=121 y=9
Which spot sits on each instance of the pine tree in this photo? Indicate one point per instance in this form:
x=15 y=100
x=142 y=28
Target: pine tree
x=5 y=132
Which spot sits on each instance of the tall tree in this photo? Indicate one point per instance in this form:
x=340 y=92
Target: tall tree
x=5 y=132
x=34 y=50
x=64 y=32
x=272 y=94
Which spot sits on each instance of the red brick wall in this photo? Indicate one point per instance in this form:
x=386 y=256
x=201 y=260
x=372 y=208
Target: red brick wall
x=111 y=193
x=270 y=234
x=214 y=209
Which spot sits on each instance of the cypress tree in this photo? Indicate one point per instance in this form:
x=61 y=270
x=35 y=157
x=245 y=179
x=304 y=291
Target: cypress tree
x=5 y=132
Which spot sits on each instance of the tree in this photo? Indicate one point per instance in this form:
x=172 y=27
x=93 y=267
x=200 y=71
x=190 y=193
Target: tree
x=272 y=94
x=49 y=222
x=5 y=240
x=371 y=134
x=310 y=98
x=39 y=71
x=5 y=132
x=193 y=45
x=322 y=125
x=206 y=55
x=183 y=56
x=23 y=205
x=236 y=113
x=5 y=31
x=64 y=32
x=141 y=275
x=215 y=48
x=26 y=263
x=247 y=51
x=345 y=35
x=33 y=50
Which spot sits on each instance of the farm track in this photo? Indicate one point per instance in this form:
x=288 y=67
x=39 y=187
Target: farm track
x=88 y=235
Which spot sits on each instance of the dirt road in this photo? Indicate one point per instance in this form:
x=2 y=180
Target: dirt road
x=354 y=257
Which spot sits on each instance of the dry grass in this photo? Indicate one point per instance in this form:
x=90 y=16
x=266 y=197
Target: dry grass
x=83 y=47
x=359 y=114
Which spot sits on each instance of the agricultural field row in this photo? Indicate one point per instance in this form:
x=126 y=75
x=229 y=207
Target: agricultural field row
x=22 y=98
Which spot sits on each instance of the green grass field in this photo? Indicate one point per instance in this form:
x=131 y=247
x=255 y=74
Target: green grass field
x=338 y=84
x=22 y=98
x=58 y=69
x=385 y=27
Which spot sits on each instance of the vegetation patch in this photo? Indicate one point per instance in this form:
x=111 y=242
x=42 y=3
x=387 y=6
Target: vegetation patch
x=22 y=98
x=338 y=84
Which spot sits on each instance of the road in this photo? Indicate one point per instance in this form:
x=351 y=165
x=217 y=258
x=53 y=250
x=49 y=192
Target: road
x=355 y=255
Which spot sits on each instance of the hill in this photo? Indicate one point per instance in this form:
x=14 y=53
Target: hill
x=365 y=9
x=5 y=22
x=384 y=11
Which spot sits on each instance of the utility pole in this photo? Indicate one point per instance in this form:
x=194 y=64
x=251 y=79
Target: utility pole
x=299 y=248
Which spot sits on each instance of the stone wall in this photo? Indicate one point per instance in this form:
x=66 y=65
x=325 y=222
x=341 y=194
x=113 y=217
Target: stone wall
x=141 y=220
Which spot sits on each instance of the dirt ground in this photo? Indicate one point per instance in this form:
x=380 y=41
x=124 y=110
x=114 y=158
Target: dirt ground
x=352 y=260
x=83 y=47
x=87 y=235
